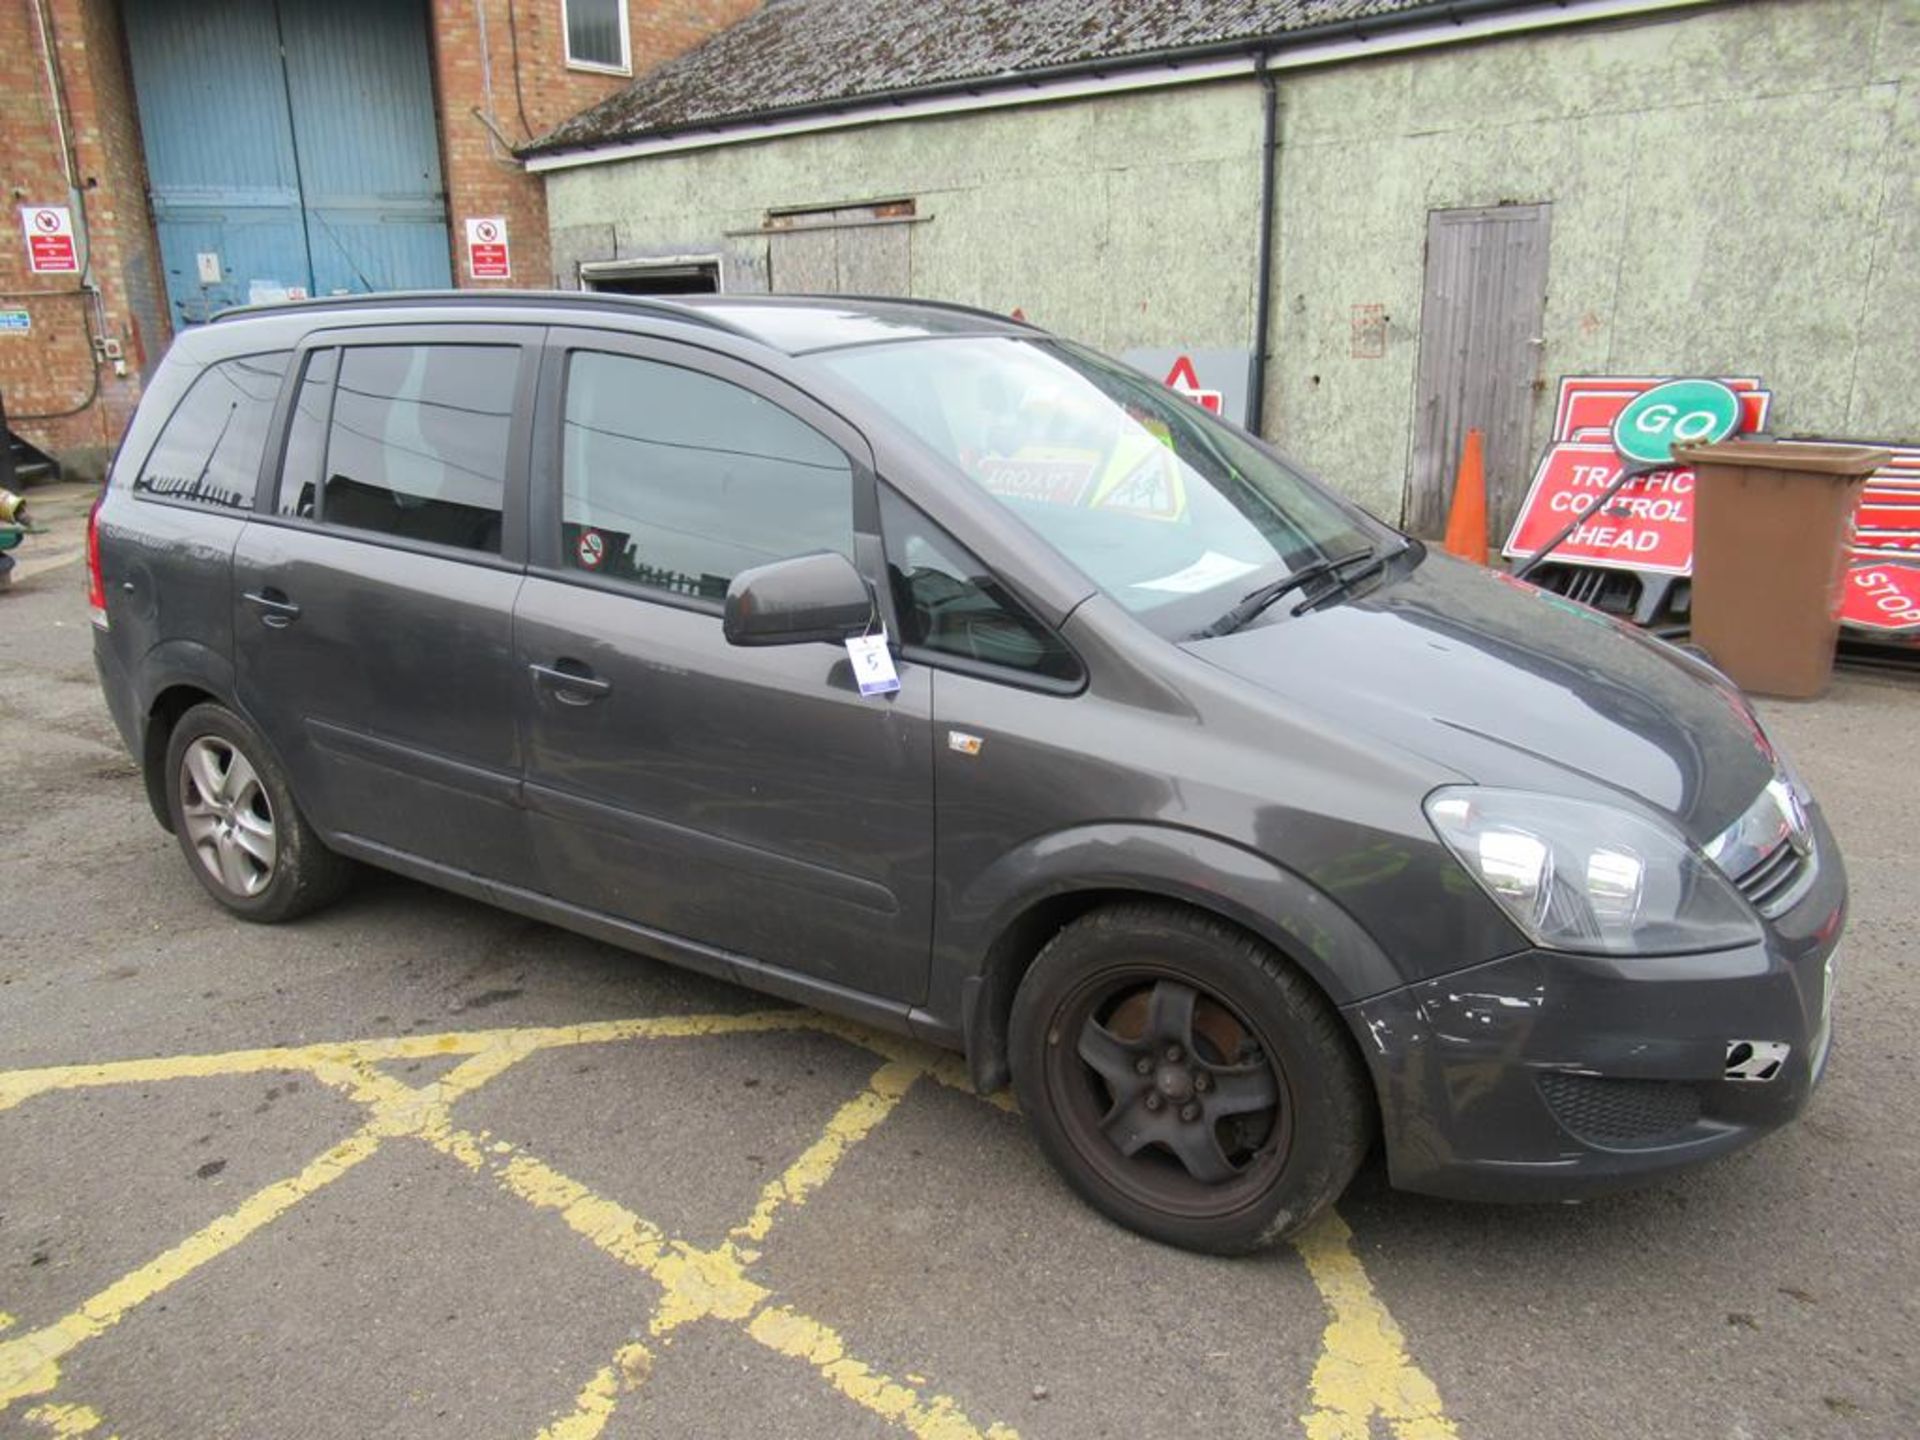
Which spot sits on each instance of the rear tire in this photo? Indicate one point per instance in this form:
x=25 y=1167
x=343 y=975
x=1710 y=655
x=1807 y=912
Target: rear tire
x=1187 y=1080
x=245 y=840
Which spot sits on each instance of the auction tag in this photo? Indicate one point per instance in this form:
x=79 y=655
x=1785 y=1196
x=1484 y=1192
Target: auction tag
x=873 y=664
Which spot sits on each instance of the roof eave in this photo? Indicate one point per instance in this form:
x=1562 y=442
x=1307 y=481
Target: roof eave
x=1418 y=27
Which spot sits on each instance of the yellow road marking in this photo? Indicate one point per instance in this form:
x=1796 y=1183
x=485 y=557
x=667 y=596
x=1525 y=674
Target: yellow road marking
x=1363 y=1369
x=700 y=1284
x=30 y=1364
x=594 y=1407
x=18 y=1085
x=847 y=1128
x=66 y=1420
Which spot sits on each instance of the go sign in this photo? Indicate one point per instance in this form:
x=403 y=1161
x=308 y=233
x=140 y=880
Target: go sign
x=1681 y=412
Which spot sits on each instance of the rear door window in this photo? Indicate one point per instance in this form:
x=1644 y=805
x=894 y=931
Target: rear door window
x=209 y=452
x=417 y=443
x=676 y=481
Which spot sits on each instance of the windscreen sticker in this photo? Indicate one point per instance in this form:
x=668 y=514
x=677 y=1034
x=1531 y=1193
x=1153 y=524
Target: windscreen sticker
x=1152 y=489
x=1048 y=477
x=1209 y=570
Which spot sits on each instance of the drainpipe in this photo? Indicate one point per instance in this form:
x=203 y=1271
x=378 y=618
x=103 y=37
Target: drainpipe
x=1263 y=262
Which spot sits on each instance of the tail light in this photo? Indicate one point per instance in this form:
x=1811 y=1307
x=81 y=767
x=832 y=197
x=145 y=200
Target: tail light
x=96 y=582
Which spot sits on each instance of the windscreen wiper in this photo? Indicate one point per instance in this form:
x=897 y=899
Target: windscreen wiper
x=1254 y=601
x=1345 y=580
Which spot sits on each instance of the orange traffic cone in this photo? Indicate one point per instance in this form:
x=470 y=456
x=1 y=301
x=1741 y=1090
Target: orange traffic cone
x=1467 y=521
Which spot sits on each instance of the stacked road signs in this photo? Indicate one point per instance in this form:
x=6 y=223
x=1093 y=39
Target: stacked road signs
x=1648 y=525
x=1882 y=595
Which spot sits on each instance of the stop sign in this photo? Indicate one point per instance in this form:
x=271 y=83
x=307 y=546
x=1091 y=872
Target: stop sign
x=1882 y=595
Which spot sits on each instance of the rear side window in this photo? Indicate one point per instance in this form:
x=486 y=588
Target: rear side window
x=209 y=451
x=952 y=604
x=677 y=481
x=417 y=443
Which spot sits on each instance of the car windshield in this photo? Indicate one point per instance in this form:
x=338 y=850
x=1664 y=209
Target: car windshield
x=1172 y=513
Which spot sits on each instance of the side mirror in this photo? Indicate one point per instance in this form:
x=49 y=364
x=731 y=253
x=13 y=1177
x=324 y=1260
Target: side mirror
x=797 y=601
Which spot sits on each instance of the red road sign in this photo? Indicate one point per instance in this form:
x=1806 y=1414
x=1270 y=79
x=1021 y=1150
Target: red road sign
x=1589 y=403
x=1647 y=526
x=1882 y=594
x=1182 y=380
x=487 y=254
x=49 y=231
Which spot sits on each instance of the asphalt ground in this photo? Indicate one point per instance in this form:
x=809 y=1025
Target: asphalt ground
x=415 y=1167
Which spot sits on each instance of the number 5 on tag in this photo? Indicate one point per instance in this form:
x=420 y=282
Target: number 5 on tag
x=873 y=664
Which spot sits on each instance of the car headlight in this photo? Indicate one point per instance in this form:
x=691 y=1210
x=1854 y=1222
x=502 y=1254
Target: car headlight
x=1585 y=877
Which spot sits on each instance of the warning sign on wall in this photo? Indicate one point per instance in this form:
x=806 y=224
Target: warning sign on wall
x=1215 y=380
x=50 y=247
x=487 y=255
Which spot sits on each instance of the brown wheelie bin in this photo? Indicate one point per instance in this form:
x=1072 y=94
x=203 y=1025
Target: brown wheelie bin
x=1771 y=526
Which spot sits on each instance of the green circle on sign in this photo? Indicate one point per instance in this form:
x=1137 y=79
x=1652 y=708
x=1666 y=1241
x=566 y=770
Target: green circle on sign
x=1680 y=412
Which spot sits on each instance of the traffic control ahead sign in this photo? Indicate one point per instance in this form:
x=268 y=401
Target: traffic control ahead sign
x=1648 y=525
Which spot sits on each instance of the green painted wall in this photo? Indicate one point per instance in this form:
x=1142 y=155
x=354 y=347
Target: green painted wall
x=1733 y=190
x=1124 y=221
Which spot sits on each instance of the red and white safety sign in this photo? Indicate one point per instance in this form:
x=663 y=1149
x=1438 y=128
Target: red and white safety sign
x=1647 y=526
x=50 y=247
x=1881 y=593
x=1183 y=379
x=487 y=254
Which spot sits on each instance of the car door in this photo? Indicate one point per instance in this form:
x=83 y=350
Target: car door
x=374 y=590
x=747 y=799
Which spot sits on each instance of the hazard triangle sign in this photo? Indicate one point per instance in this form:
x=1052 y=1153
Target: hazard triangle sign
x=1182 y=380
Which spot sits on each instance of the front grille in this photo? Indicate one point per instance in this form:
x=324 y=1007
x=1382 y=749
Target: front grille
x=1620 y=1112
x=1773 y=882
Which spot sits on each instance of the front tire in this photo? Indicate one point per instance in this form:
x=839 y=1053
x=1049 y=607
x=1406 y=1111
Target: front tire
x=1187 y=1080
x=244 y=838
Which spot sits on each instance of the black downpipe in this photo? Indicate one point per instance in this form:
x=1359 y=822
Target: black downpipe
x=1263 y=262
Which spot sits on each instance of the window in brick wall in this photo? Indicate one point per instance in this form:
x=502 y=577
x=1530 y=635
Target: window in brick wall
x=597 y=34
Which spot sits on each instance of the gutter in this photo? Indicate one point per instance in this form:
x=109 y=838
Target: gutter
x=1263 y=261
x=1449 y=22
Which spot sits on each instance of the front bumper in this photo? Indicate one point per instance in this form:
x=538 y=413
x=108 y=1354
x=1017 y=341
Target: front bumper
x=1544 y=1076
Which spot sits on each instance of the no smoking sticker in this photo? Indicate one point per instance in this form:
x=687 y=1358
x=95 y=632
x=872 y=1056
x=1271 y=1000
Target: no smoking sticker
x=487 y=255
x=49 y=232
x=591 y=548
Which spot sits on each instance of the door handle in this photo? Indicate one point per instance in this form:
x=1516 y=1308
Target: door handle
x=276 y=611
x=571 y=687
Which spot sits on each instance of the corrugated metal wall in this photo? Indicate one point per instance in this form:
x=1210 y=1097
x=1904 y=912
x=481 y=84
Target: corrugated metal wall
x=293 y=140
x=1480 y=337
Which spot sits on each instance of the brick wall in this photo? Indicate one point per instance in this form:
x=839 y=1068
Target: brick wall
x=50 y=372
x=56 y=395
x=475 y=67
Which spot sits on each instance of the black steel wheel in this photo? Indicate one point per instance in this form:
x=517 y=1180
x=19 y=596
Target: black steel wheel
x=244 y=838
x=1186 y=1080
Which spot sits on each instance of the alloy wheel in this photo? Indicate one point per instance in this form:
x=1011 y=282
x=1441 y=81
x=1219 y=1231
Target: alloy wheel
x=228 y=817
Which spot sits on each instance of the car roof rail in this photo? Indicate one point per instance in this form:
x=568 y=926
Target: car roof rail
x=593 y=300
x=953 y=306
